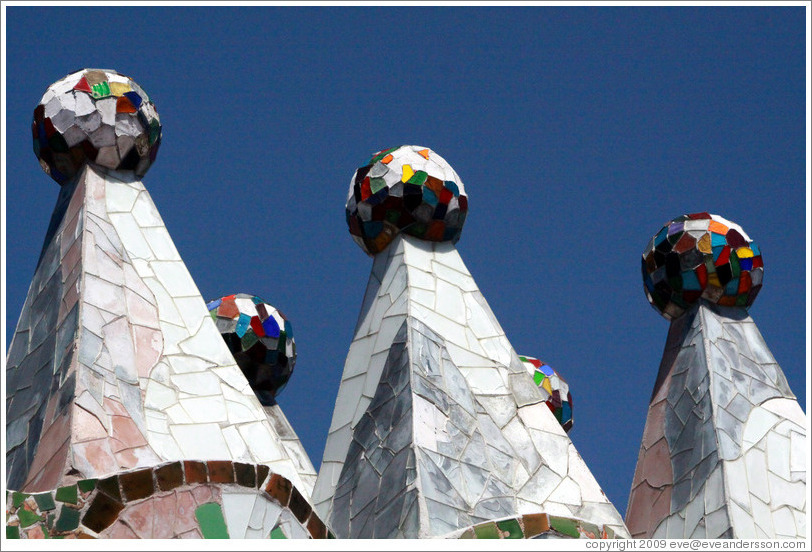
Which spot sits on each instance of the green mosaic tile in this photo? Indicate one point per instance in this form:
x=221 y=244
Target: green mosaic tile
x=68 y=494
x=17 y=499
x=44 y=502
x=591 y=528
x=487 y=531
x=419 y=178
x=27 y=517
x=566 y=526
x=468 y=534
x=87 y=485
x=512 y=527
x=68 y=519
x=210 y=518
x=277 y=533
x=12 y=531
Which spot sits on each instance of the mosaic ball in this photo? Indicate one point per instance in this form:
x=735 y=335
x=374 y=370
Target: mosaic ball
x=408 y=189
x=701 y=256
x=95 y=116
x=261 y=339
x=553 y=386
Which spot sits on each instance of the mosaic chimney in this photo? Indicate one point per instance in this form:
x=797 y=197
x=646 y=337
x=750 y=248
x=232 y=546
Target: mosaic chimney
x=126 y=413
x=724 y=448
x=438 y=429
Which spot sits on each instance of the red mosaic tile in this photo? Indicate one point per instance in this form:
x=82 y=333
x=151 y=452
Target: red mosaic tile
x=245 y=474
x=102 y=512
x=137 y=484
x=316 y=527
x=169 y=476
x=262 y=473
x=221 y=471
x=299 y=505
x=195 y=472
x=279 y=488
x=535 y=524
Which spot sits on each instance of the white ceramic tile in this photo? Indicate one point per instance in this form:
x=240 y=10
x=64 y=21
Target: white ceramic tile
x=762 y=516
x=778 y=454
x=162 y=246
x=799 y=449
x=449 y=301
x=424 y=424
x=156 y=422
x=743 y=526
x=187 y=364
x=236 y=445
x=757 y=426
x=193 y=312
x=497 y=349
x=205 y=409
x=175 y=278
x=478 y=320
x=177 y=415
x=463 y=281
x=421 y=279
x=784 y=492
x=270 y=514
x=204 y=383
x=207 y=343
x=145 y=212
x=236 y=506
x=130 y=233
x=422 y=297
x=786 y=408
x=388 y=328
x=120 y=197
x=159 y=397
x=580 y=474
x=240 y=412
x=203 y=441
x=167 y=311
x=485 y=380
x=103 y=294
x=567 y=492
x=756 y=465
x=264 y=446
x=784 y=521
x=735 y=475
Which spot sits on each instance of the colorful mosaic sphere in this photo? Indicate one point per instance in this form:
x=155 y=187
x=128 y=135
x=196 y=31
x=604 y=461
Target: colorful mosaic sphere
x=407 y=189
x=95 y=116
x=701 y=256
x=261 y=340
x=553 y=386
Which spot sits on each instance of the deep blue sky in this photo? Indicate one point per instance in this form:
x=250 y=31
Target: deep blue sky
x=578 y=132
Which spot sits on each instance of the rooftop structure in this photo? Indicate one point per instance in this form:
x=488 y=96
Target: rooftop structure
x=438 y=428
x=724 y=447
x=120 y=386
